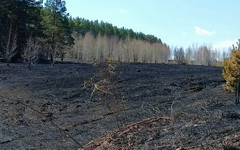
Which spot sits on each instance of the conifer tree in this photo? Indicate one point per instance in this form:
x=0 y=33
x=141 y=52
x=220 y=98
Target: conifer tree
x=19 y=19
x=231 y=72
x=56 y=27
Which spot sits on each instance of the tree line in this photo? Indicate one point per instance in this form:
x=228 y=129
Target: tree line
x=82 y=26
x=91 y=48
x=199 y=55
x=98 y=41
x=31 y=30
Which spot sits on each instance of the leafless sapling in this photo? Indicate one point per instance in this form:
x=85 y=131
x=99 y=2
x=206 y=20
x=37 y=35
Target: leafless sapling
x=31 y=51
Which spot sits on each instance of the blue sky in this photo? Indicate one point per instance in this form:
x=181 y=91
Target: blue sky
x=176 y=22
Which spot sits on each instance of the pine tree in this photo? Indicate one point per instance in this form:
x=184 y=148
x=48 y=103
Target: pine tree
x=56 y=27
x=19 y=19
x=231 y=72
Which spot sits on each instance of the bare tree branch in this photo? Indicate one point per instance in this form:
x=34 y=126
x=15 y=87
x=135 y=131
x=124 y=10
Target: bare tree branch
x=9 y=44
x=31 y=51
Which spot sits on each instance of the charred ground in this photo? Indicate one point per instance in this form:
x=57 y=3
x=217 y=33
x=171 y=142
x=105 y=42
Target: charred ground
x=161 y=107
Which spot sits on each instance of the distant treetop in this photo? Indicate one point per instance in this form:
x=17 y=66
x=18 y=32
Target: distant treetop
x=82 y=26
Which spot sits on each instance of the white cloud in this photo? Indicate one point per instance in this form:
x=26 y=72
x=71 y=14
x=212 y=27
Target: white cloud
x=200 y=31
x=223 y=44
x=123 y=11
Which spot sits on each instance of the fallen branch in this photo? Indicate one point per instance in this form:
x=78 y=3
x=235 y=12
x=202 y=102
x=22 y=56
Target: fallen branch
x=101 y=90
x=121 y=132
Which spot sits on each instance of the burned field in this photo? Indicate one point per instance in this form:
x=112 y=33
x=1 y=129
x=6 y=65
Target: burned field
x=137 y=106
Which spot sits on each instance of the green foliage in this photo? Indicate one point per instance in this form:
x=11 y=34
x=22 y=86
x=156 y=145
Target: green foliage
x=82 y=26
x=231 y=72
x=21 y=18
x=56 y=27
